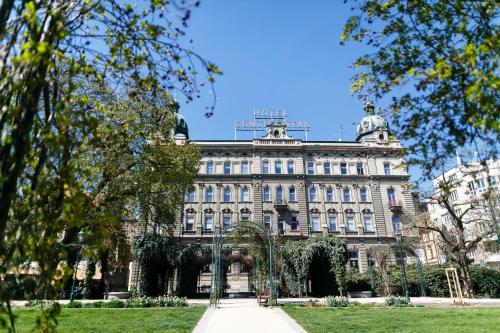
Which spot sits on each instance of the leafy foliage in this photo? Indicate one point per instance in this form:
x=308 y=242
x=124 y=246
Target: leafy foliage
x=158 y=256
x=436 y=62
x=84 y=90
x=297 y=255
x=337 y=301
x=396 y=301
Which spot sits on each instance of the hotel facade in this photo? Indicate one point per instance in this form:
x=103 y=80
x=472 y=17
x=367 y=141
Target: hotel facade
x=297 y=189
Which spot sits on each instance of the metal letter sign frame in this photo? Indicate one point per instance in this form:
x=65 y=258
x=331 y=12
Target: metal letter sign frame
x=219 y=239
x=263 y=117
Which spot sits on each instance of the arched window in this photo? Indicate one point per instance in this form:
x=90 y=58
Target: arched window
x=266 y=194
x=313 y=196
x=277 y=167
x=279 y=193
x=227 y=194
x=265 y=167
x=209 y=194
x=367 y=222
x=349 y=223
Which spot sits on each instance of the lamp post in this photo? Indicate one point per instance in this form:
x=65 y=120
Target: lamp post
x=80 y=237
x=403 y=268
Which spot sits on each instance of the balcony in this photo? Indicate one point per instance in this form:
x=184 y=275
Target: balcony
x=280 y=204
x=395 y=206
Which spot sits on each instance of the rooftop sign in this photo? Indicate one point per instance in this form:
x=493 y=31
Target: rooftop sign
x=264 y=117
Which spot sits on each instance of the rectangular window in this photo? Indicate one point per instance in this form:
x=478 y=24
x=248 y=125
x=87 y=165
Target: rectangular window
x=189 y=223
x=291 y=167
x=332 y=222
x=226 y=221
x=315 y=223
x=387 y=168
x=391 y=194
x=343 y=168
x=244 y=168
x=353 y=258
x=209 y=220
x=281 y=224
x=359 y=169
x=227 y=195
x=209 y=194
x=395 y=222
x=190 y=197
x=367 y=221
x=492 y=180
x=294 y=223
x=245 y=218
x=292 y=194
x=312 y=194
x=245 y=195
x=326 y=168
x=310 y=168
x=347 y=194
x=265 y=167
x=267 y=221
x=480 y=185
x=329 y=195
x=350 y=223
x=266 y=194
x=277 y=167
x=210 y=168
x=363 y=195
x=227 y=168
x=453 y=196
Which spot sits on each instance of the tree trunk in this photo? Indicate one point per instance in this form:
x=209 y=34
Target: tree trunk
x=465 y=273
x=385 y=279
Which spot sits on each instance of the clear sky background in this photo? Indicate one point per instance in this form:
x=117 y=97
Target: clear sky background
x=276 y=54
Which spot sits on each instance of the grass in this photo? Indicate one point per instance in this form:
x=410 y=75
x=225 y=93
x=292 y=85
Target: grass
x=385 y=319
x=144 y=320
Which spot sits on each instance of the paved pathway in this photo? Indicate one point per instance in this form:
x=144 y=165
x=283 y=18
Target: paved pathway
x=244 y=315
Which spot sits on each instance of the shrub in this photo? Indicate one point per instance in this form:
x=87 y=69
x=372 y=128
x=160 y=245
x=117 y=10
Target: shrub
x=73 y=305
x=94 y=305
x=396 y=301
x=485 y=281
x=356 y=281
x=337 y=301
x=114 y=304
x=160 y=301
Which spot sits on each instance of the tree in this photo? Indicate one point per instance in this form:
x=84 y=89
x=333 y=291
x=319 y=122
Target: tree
x=435 y=62
x=467 y=223
x=52 y=120
x=382 y=256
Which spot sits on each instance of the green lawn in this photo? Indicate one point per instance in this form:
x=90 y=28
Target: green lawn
x=142 y=320
x=384 y=319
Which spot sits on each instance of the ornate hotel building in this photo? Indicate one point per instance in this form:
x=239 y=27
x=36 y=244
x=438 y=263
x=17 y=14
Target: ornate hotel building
x=354 y=190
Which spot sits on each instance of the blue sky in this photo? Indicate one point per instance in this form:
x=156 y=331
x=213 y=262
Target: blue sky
x=276 y=54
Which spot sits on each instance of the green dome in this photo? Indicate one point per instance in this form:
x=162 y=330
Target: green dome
x=371 y=122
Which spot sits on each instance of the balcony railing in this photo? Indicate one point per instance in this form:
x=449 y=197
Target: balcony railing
x=280 y=204
x=395 y=205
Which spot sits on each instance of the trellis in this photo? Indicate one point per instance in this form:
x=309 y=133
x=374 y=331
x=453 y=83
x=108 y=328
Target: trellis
x=219 y=239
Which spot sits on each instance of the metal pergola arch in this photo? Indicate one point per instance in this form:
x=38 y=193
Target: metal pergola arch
x=219 y=238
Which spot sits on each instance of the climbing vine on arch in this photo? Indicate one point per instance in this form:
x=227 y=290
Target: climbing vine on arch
x=158 y=257
x=297 y=255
